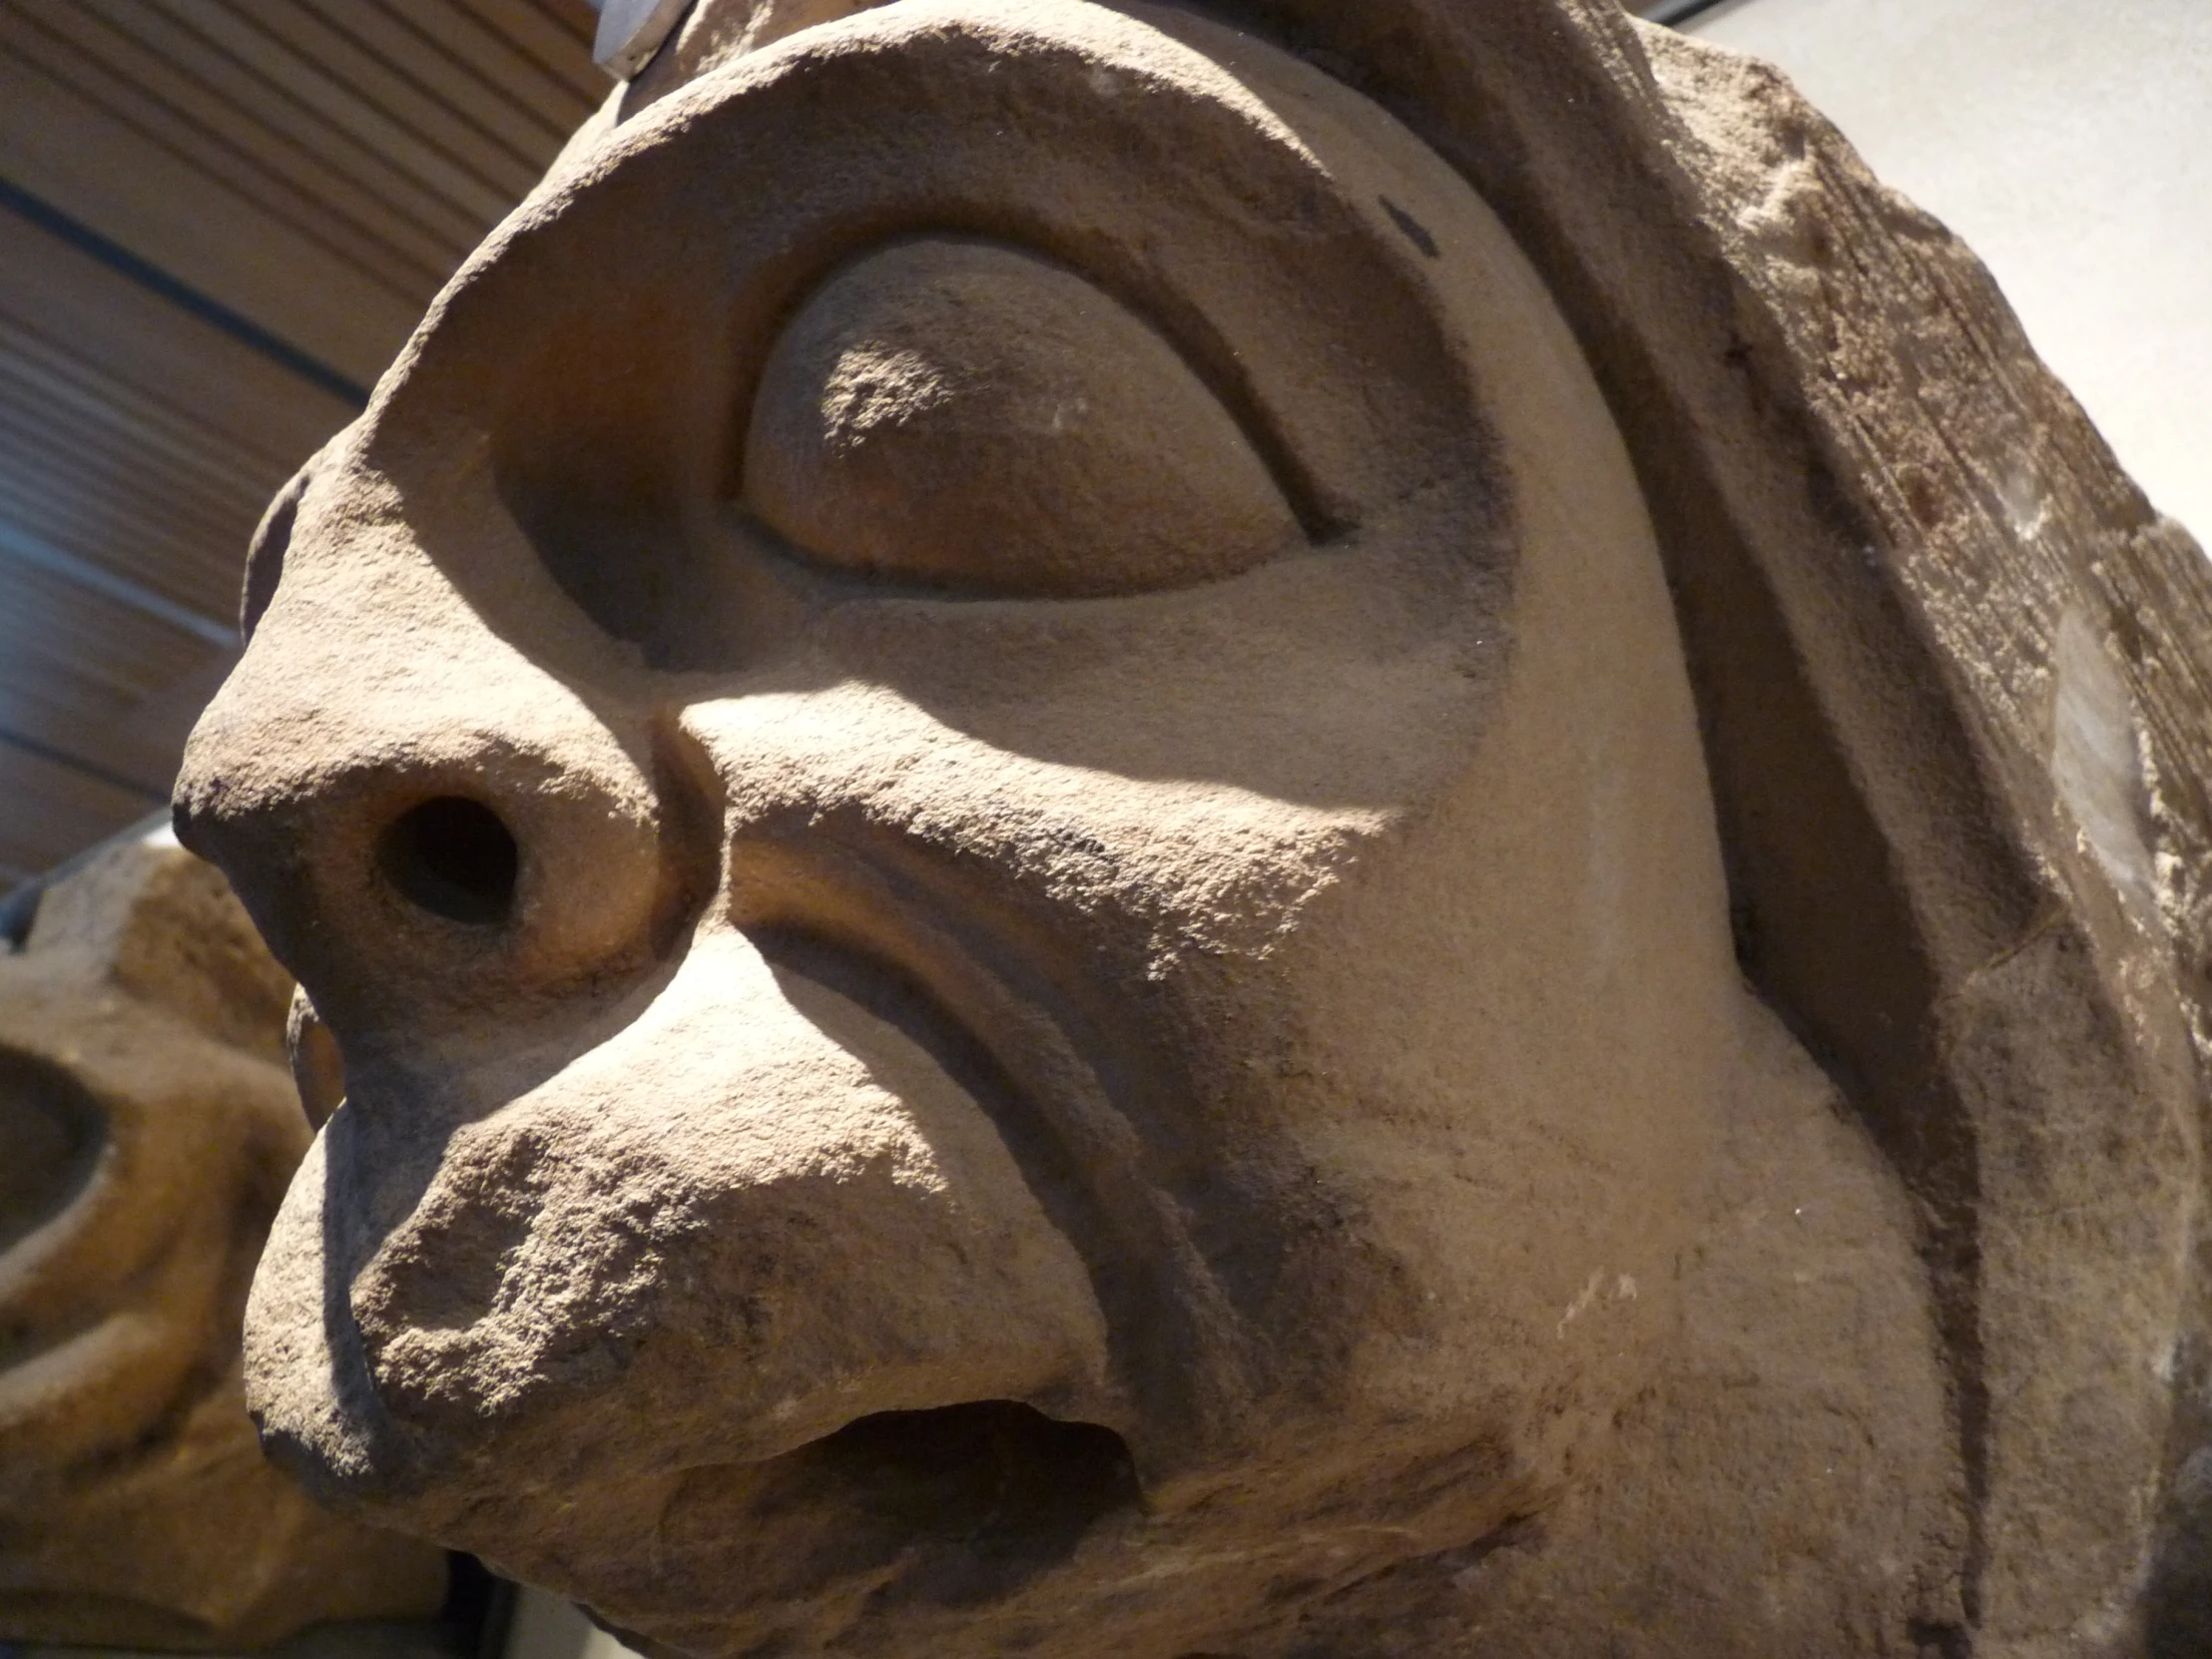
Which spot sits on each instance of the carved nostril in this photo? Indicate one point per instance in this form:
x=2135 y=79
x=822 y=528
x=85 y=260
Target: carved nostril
x=454 y=858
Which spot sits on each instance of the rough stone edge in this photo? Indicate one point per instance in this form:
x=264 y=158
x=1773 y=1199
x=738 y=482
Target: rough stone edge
x=1659 y=185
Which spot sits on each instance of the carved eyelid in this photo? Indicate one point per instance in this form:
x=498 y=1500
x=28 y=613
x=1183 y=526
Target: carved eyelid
x=968 y=412
x=1195 y=341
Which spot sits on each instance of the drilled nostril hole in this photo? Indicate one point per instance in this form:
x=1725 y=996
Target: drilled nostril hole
x=454 y=858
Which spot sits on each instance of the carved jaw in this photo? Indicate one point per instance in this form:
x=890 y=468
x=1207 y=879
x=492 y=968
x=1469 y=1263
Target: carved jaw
x=761 y=1241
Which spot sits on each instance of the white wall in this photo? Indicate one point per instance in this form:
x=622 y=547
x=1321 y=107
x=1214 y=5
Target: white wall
x=546 y=1627
x=2069 y=142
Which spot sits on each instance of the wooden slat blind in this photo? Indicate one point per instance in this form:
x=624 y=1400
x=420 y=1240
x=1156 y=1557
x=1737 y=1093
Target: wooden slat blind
x=215 y=215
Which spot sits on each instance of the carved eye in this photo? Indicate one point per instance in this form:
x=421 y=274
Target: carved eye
x=963 y=414
x=51 y=1133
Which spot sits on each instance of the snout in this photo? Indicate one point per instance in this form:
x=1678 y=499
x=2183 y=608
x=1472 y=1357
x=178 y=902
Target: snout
x=755 y=1214
x=610 y=1195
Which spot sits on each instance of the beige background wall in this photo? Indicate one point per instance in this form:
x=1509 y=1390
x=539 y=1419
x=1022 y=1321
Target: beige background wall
x=2070 y=143
x=546 y=1627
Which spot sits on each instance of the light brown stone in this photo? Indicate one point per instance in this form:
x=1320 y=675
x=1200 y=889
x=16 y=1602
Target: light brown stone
x=147 y=1131
x=1338 y=832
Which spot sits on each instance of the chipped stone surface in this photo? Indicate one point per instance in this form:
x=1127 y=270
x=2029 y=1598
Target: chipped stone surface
x=1562 y=1016
x=149 y=1131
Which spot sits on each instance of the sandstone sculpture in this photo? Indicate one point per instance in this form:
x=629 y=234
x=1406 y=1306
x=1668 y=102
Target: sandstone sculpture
x=147 y=1131
x=1311 y=830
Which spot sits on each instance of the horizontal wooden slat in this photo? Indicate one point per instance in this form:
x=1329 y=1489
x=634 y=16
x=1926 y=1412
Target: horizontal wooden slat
x=40 y=373
x=139 y=750
x=187 y=99
x=49 y=810
x=492 y=109
x=138 y=747
x=85 y=455
x=133 y=436
x=134 y=338
x=214 y=215
x=62 y=520
x=86 y=645
x=139 y=764
x=301 y=102
x=127 y=185
x=440 y=126
x=541 y=51
x=100 y=420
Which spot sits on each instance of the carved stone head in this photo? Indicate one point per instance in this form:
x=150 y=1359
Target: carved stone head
x=147 y=1130
x=1052 y=770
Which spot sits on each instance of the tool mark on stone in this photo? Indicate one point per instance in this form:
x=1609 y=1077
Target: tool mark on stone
x=1416 y=232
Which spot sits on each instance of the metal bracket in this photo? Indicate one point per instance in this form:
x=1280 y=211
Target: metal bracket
x=631 y=31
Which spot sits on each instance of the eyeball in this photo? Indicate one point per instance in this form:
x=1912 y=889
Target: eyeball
x=969 y=416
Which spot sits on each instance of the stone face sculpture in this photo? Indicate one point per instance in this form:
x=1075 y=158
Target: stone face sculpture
x=147 y=1130
x=1309 y=831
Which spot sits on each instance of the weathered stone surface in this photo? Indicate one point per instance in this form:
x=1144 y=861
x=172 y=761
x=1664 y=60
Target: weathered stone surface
x=147 y=1131
x=1338 y=830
